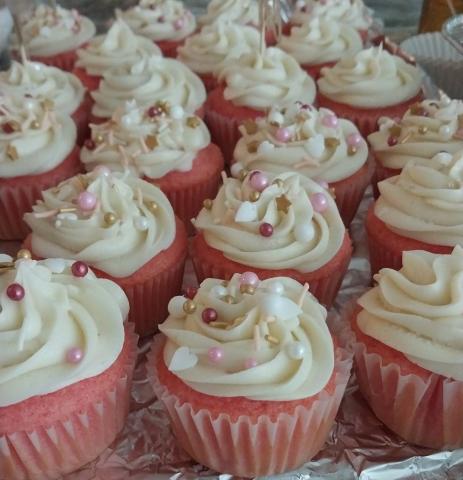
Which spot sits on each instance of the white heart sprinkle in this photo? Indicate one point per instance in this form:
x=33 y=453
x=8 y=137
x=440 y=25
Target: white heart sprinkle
x=182 y=359
x=315 y=145
x=247 y=212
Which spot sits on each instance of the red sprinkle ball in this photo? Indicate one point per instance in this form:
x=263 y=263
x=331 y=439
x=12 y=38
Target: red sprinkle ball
x=209 y=315
x=15 y=292
x=89 y=144
x=391 y=141
x=7 y=128
x=154 y=111
x=266 y=230
x=79 y=269
x=190 y=292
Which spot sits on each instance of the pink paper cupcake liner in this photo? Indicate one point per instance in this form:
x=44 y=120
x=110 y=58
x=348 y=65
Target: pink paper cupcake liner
x=169 y=47
x=366 y=120
x=17 y=195
x=80 y=117
x=382 y=173
x=425 y=410
x=315 y=70
x=246 y=448
x=65 y=60
x=70 y=441
x=209 y=80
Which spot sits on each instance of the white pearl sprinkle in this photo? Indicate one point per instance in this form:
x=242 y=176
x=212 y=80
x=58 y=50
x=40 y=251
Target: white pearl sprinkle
x=236 y=169
x=141 y=223
x=175 y=307
x=177 y=112
x=444 y=158
x=445 y=131
x=296 y=350
x=218 y=291
x=265 y=147
x=276 y=287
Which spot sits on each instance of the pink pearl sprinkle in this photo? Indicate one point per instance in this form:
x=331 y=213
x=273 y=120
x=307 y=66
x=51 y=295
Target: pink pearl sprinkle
x=319 y=202
x=86 y=201
x=283 y=135
x=259 y=181
x=323 y=184
x=15 y=292
x=250 y=363
x=74 y=355
x=215 y=354
x=179 y=23
x=102 y=170
x=330 y=120
x=249 y=278
x=354 y=139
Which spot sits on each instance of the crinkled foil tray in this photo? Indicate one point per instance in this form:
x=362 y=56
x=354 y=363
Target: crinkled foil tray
x=358 y=447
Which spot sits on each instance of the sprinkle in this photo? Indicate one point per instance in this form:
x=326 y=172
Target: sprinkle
x=406 y=138
x=253 y=147
x=12 y=152
x=332 y=142
x=270 y=319
x=283 y=203
x=395 y=131
x=139 y=197
x=272 y=340
x=48 y=104
x=304 y=291
x=256 y=338
x=151 y=142
x=224 y=177
x=48 y=214
x=250 y=127
x=193 y=122
x=219 y=324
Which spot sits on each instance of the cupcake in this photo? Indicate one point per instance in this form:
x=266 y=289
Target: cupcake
x=427 y=128
x=119 y=47
x=124 y=228
x=319 y=43
x=250 y=87
x=37 y=151
x=249 y=374
x=166 y=22
x=408 y=349
x=216 y=46
x=314 y=143
x=242 y=12
x=147 y=82
x=420 y=209
x=163 y=146
x=53 y=34
x=62 y=88
x=353 y=13
x=369 y=85
x=66 y=366
x=286 y=225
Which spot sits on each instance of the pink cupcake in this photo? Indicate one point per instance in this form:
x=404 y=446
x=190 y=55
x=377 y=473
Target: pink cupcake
x=53 y=34
x=314 y=143
x=120 y=46
x=369 y=85
x=250 y=87
x=214 y=47
x=124 y=228
x=320 y=42
x=167 y=23
x=164 y=146
x=153 y=79
x=352 y=13
x=64 y=89
x=408 y=352
x=66 y=366
x=274 y=225
x=427 y=128
x=37 y=151
x=249 y=374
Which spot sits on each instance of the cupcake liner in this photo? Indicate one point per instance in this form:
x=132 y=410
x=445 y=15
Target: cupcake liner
x=423 y=408
x=186 y=191
x=80 y=117
x=90 y=82
x=349 y=191
x=324 y=283
x=382 y=173
x=65 y=60
x=247 y=447
x=150 y=289
x=367 y=119
x=18 y=194
x=71 y=440
x=169 y=47
x=209 y=80
x=314 y=70
x=386 y=247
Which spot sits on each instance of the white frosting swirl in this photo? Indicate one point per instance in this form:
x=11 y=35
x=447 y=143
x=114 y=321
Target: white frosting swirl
x=321 y=40
x=148 y=81
x=217 y=45
x=49 y=31
x=261 y=81
x=302 y=238
x=314 y=149
x=425 y=202
x=427 y=128
x=160 y=20
x=296 y=364
x=244 y=12
x=417 y=311
x=120 y=247
x=119 y=47
x=147 y=146
x=33 y=138
x=39 y=80
x=59 y=312
x=371 y=78
x=349 y=12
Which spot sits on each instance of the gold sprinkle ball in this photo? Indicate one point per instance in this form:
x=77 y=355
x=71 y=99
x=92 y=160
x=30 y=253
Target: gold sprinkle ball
x=189 y=307
x=242 y=174
x=207 y=203
x=228 y=299
x=351 y=150
x=110 y=219
x=247 y=289
x=422 y=129
x=152 y=206
x=24 y=254
x=254 y=196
